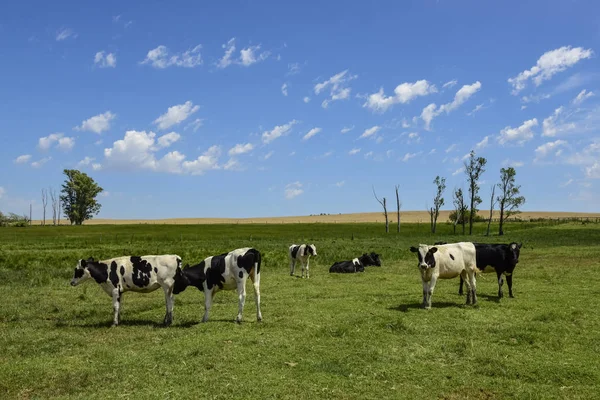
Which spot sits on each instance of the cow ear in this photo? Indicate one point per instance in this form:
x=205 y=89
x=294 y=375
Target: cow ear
x=520 y=244
x=82 y=263
x=413 y=249
x=433 y=250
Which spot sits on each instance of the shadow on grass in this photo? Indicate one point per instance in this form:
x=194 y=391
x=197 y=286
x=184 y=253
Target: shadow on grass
x=138 y=322
x=406 y=307
x=488 y=297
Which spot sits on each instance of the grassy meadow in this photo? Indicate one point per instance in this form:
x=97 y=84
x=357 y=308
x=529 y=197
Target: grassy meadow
x=334 y=336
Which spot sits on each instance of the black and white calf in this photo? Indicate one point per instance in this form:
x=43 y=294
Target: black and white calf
x=226 y=271
x=301 y=253
x=357 y=264
x=445 y=262
x=499 y=258
x=131 y=273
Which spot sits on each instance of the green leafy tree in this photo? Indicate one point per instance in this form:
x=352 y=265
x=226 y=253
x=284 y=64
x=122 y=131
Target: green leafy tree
x=438 y=201
x=461 y=209
x=509 y=198
x=78 y=197
x=474 y=168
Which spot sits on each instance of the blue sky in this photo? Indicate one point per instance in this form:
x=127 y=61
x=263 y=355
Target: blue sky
x=268 y=108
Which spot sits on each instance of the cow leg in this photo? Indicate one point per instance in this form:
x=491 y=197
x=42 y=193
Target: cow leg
x=425 y=292
x=430 y=291
x=292 y=266
x=500 y=283
x=169 y=304
x=116 y=296
x=307 y=274
x=460 y=287
x=509 y=283
x=208 y=295
x=255 y=277
x=241 y=289
x=467 y=280
x=473 y=285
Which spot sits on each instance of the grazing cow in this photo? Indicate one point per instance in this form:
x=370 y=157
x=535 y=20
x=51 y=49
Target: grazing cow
x=131 y=273
x=226 y=271
x=501 y=258
x=301 y=253
x=356 y=265
x=445 y=262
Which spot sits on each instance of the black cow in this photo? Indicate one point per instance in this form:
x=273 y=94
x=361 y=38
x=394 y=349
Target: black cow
x=501 y=258
x=356 y=265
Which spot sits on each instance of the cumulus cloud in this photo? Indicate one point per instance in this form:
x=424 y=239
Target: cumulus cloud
x=370 y=131
x=548 y=148
x=354 y=151
x=39 y=163
x=240 y=149
x=85 y=162
x=347 y=129
x=593 y=171
x=278 y=131
x=477 y=108
x=306 y=99
x=461 y=96
x=483 y=144
x=511 y=163
x=311 y=133
x=408 y=156
x=195 y=124
x=458 y=171
x=61 y=141
x=451 y=148
x=549 y=64
x=293 y=69
x=582 y=96
x=98 y=123
x=450 y=84
x=64 y=34
x=161 y=58
x=293 y=190
x=176 y=114
x=23 y=159
x=206 y=162
x=519 y=135
x=284 y=89
x=338 y=86
x=403 y=93
x=248 y=56
x=270 y=154
x=105 y=60
x=340 y=183
x=167 y=140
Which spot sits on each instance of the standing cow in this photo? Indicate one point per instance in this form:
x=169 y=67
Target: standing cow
x=445 y=262
x=131 y=273
x=226 y=271
x=302 y=254
x=501 y=258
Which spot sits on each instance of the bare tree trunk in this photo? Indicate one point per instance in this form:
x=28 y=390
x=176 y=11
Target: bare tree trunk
x=44 y=203
x=58 y=211
x=491 y=211
x=385 y=213
x=398 y=205
x=29 y=214
x=54 y=206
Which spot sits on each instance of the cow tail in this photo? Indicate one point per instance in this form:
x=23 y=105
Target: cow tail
x=257 y=263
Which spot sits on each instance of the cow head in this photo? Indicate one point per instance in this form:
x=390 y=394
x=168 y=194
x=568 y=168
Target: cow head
x=514 y=250
x=374 y=259
x=311 y=250
x=82 y=273
x=425 y=255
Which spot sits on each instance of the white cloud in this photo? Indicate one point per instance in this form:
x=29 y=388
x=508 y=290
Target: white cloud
x=450 y=84
x=567 y=183
x=105 y=60
x=340 y=183
x=23 y=159
x=206 y=162
x=227 y=60
x=408 y=156
x=547 y=148
x=175 y=115
x=160 y=58
x=2 y=192
x=520 y=135
x=233 y=165
x=240 y=149
x=483 y=144
x=195 y=124
x=458 y=171
x=535 y=98
x=278 y=131
x=403 y=94
x=523 y=107
x=85 y=162
x=311 y=133
x=347 y=129
x=306 y=99
x=432 y=151
x=478 y=107
x=269 y=154
x=293 y=69
x=248 y=56
x=284 y=89
x=452 y=147
x=98 y=123
x=64 y=34
x=511 y=163
x=582 y=96
x=168 y=139
x=369 y=154
x=428 y=113
x=39 y=163
x=370 y=132
x=461 y=96
x=354 y=151
x=593 y=171
x=293 y=190
x=549 y=64
x=338 y=84
x=62 y=142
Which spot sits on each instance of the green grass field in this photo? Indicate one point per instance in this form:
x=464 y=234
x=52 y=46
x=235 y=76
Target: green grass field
x=357 y=336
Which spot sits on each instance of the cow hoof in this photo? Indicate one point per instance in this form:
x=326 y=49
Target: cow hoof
x=511 y=296
x=238 y=321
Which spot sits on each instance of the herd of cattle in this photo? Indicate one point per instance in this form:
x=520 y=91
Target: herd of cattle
x=230 y=271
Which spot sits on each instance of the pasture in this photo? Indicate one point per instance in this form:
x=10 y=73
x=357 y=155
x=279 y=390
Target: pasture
x=339 y=336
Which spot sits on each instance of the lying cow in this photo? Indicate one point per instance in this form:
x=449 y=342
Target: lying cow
x=131 y=273
x=356 y=265
x=301 y=253
x=226 y=271
x=445 y=262
x=501 y=258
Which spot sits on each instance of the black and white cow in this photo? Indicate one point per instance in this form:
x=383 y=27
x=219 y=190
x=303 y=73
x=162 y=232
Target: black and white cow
x=357 y=264
x=131 y=273
x=302 y=254
x=499 y=258
x=226 y=271
x=445 y=262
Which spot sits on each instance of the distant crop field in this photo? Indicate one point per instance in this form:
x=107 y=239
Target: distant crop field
x=333 y=336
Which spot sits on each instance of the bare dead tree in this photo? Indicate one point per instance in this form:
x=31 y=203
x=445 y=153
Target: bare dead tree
x=54 y=198
x=44 y=203
x=398 y=204
x=383 y=203
x=492 y=203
